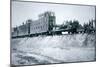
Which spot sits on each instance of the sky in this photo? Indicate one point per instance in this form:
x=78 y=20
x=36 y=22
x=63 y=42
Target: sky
x=21 y=11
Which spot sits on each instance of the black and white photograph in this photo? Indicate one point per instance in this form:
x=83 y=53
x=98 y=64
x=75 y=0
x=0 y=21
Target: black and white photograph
x=52 y=33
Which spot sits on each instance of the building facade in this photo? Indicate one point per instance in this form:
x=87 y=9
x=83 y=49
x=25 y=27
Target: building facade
x=44 y=24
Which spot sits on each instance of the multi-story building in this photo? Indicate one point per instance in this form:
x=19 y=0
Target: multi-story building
x=44 y=24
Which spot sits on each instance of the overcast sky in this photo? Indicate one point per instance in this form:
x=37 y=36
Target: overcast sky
x=21 y=11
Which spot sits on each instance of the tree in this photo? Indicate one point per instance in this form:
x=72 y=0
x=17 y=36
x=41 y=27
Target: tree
x=74 y=26
x=89 y=27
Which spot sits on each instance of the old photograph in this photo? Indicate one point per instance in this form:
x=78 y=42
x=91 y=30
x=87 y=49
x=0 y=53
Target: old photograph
x=52 y=33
